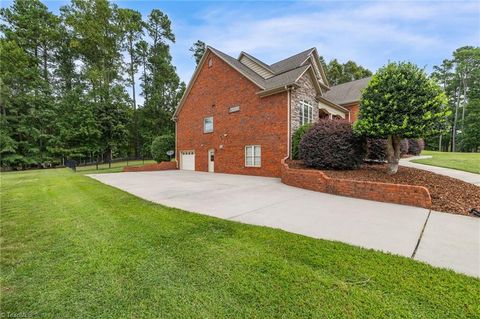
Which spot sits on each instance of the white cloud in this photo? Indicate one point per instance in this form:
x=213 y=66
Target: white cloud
x=369 y=33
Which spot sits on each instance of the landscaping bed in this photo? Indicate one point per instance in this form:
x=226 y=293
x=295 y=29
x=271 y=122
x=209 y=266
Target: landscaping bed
x=448 y=194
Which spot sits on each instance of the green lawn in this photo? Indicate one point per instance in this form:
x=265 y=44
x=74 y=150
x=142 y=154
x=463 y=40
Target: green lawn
x=469 y=162
x=116 y=167
x=75 y=248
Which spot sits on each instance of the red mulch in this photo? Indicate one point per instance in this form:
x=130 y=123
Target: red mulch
x=448 y=194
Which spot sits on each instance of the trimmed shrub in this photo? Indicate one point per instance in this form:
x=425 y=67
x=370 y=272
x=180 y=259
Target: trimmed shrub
x=415 y=146
x=161 y=145
x=376 y=149
x=404 y=147
x=332 y=145
x=297 y=137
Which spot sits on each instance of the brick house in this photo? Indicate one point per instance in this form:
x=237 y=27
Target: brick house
x=238 y=115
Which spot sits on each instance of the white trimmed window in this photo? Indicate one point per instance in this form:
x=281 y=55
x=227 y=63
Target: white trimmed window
x=306 y=110
x=208 y=124
x=253 y=156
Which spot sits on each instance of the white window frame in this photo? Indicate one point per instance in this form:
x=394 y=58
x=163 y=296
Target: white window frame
x=204 y=122
x=307 y=108
x=253 y=156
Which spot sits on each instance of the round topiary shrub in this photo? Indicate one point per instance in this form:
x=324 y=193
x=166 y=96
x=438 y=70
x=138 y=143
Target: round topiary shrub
x=161 y=145
x=297 y=137
x=376 y=149
x=332 y=145
x=415 y=146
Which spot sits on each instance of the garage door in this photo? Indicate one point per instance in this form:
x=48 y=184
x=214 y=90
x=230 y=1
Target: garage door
x=187 y=160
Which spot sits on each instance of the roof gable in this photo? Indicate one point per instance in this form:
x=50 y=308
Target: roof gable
x=235 y=64
x=273 y=78
x=256 y=65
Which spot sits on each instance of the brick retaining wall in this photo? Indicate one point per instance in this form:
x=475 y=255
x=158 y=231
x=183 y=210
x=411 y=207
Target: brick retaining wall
x=383 y=192
x=162 y=166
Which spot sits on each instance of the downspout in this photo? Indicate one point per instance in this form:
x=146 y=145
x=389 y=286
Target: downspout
x=289 y=122
x=177 y=159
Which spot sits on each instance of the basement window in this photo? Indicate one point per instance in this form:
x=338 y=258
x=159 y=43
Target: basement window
x=253 y=156
x=208 y=124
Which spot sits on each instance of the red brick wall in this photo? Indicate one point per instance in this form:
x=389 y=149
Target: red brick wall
x=260 y=121
x=162 y=166
x=383 y=192
x=354 y=108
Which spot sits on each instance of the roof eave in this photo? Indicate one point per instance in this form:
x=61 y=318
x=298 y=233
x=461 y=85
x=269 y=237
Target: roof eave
x=332 y=104
x=277 y=90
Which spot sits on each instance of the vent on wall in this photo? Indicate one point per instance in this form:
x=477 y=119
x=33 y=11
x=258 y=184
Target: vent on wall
x=234 y=108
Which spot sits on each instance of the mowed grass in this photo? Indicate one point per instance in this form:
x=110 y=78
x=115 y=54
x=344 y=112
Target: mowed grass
x=75 y=248
x=115 y=167
x=469 y=162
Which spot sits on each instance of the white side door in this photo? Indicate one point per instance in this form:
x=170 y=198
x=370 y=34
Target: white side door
x=187 y=160
x=211 y=160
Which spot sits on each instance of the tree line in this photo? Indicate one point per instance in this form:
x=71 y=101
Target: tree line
x=64 y=81
x=459 y=77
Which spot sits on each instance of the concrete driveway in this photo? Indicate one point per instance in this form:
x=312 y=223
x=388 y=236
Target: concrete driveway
x=448 y=240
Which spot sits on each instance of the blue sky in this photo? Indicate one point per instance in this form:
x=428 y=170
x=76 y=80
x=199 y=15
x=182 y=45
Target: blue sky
x=369 y=32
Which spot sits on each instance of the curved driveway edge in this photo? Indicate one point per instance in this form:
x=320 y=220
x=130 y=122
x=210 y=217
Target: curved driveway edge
x=267 y=202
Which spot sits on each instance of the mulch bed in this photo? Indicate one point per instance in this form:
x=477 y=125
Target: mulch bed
x=448 y=194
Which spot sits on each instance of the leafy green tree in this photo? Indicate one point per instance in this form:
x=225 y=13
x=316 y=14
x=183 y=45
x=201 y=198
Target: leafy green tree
x=161 y=145
x=460 y=79
x=401 y=102
x=98 y=41
x=29 y=38
x=198 y=49
x=471 y=134
x=338 y=73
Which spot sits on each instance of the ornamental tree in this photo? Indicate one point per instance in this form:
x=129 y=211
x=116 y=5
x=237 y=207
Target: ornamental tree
x=401 y=102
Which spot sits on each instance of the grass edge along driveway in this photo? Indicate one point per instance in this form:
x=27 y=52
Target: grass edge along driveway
x=468 y=162
x=73 y=247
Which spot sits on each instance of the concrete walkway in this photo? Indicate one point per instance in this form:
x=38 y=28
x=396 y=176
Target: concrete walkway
x=449 y=241
x=461 y=175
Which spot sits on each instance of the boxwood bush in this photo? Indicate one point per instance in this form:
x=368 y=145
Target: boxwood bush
x=297 y=137
x=332 y=145
x=161 y=145
x=376 y=149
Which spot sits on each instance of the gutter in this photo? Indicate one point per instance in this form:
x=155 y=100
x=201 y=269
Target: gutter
x=289 y=122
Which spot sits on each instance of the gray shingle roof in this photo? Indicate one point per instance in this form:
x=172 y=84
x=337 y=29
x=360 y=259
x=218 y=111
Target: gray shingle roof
x=256 y=78
x=347 y=92
x=291 y=68
x=285 y=78
x=291 y=63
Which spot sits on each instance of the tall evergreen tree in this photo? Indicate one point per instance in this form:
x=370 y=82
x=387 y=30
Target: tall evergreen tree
x=161 y=84
x=98 y=39
x=30 y=31
x=198 y=49
x=132 y=28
